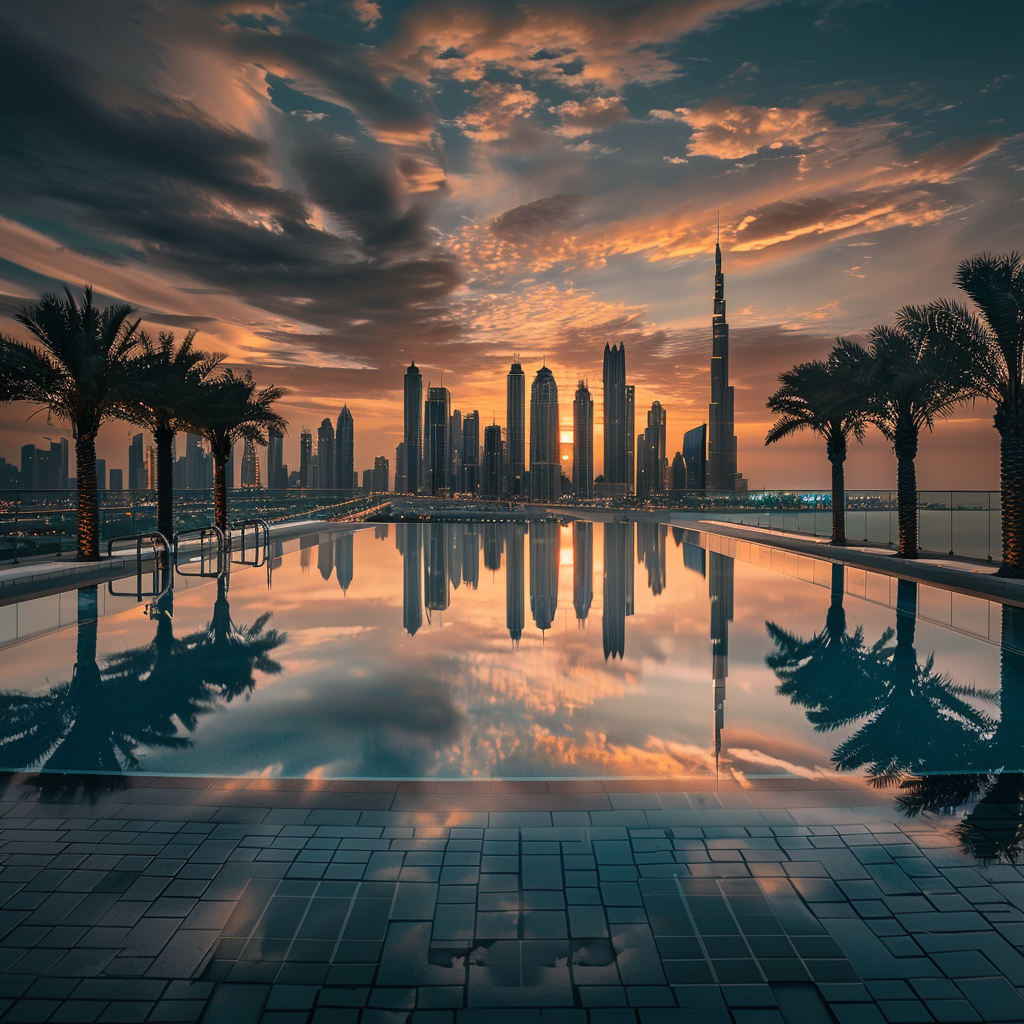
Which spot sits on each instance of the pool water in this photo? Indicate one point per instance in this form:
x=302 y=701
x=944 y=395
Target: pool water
x=489 y=650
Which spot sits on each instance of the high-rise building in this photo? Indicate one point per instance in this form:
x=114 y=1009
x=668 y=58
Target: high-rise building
x=250 y=465
x=305 y=458
x=325 y=458
x=101 y=474
x=652 y=464
x=401 y=469
x=721 y=470
x=471 y=554
x=694 y=452
x=380 y=479
x=455 y=454
x=471 y=452
x=436 y=593
x=409 y=537
x=117 y=480
x=436 y=440
x=618 y=586
x=413 y=429
x=277 y=475
x=583 y=443
x=582 y=568
x=720 y=590
x=494 y=544
x=367 y=480
x=344 y=560
x=616 y=430
x=150 y=468
x=344 y=456
x=515 y=429
x=29 y=468
x=136 y=464
x=650 y=542
x=678 y=472
x=492 y=483
x=630 y=450
x=545 y=466
x=229 y=468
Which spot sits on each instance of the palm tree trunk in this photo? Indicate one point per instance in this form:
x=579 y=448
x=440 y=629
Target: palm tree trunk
x=220 y=491
x=906 y=492
x=164 y=437
x=1011 y=491
x=904 y=658
x=1009 y=738
x=88 y=499
x=837 y=456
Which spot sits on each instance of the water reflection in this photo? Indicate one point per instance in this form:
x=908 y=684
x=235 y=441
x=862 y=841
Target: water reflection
x=148 y=697
x=618 y=587
x=582 y=568
x=544 y=555
x=515 y=597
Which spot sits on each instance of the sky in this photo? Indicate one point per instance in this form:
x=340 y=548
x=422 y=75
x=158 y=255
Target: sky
x=327 y=191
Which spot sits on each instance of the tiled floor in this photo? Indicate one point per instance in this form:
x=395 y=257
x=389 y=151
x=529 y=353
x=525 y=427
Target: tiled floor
x=276 y=901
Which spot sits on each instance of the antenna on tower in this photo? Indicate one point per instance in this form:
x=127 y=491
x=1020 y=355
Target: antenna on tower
x=718 y=239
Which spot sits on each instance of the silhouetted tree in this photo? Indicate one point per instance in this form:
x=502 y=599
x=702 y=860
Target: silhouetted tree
x=920 y=371
x=84 y=370
x=826 y=397
x=229 y=409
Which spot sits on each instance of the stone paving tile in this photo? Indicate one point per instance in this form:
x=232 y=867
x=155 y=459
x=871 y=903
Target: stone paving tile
x=213 y=901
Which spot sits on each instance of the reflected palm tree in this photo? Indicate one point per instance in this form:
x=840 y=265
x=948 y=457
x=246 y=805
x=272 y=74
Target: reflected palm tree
x=914 y=720
x=87 y=731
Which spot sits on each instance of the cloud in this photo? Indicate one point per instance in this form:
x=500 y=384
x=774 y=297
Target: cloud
x=366 y=11
x=729 y=132
x=526 y=223
x=592 y=115
x=500 y=106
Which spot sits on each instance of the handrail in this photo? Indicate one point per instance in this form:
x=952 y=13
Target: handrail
x=204 y=533
x=261 y=541
x=156 y=539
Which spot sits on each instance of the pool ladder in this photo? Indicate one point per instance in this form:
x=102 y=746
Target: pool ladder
x=160 y=556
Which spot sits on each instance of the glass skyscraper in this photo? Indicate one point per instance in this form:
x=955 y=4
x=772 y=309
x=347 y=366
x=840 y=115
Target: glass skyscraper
x=413 y=429
x=515 y=429
x=545 y=466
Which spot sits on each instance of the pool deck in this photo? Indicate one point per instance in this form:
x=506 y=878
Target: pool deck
x=244 y=900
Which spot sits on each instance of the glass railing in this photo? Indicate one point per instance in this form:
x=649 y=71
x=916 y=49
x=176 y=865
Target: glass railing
x=45 y=522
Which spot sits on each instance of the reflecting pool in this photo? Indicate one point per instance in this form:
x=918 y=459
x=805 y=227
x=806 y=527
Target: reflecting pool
x=490 y=650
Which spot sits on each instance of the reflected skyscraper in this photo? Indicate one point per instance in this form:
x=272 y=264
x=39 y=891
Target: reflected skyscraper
x=413 y=429
x=471 y=554
x=583 y=443
x=545 y=466
x=544 y=550
x=325 y=558
x=720 y=580
x=618 y=587
x=436 y=558
x=343 y=560
x=515 y=571
x=494 y=541
x=582 y=568
x=650 y=539
x=410 y=543
x=344 y=456
x=455 y=553
x=515 y=428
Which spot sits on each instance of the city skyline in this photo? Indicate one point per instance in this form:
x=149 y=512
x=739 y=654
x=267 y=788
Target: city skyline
x=356 y=185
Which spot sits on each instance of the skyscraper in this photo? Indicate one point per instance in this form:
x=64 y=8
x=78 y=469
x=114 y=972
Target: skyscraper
x=492 y=484
x=344 y=455
x=694 y=452
x=515 y=429
x=583 y=443
x=275 y=460
x=380 y=477
x=720 y=590
x=436 y=440
x=325 y=455
x=678 y=472
x=630 y=451
x=652 y=464
x=136 y=464
x=721 y=473
x=544 y=552
x=413 y=429
x=250 y=464
x=455 y=454
x=401 y=470
x=344 y=560
x=471 y=452
x=305 y=458
x=410 y=539
x=618 y=564
x=436 y=591
x=545 y=467
x=515 y=613
x=616 y=428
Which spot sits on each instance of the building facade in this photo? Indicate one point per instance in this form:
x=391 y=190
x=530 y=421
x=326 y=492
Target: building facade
x=583 y=442
x=344 y=456
x=617 y=430
x=493 y=478
x=413 y=426
x=515 y=429
x=436 y=440
x=325 y=456
x=305 y=458
x=545 y=465
x=471 y=452
x=695 y=456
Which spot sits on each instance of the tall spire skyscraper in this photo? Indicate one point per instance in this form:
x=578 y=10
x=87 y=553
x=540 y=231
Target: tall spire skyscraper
x=583 y=442
x=344 y=455
x=721 y=471
x=515 y=429
x=545 y=467
x=616 y=429
x=413 y=429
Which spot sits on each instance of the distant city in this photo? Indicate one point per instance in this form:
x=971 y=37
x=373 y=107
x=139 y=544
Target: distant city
x=443 y=452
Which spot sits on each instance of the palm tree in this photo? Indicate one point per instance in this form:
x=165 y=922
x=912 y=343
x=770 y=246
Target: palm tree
x=919 y=372
x=826 y=397
x=85 y=369
x=228 y=408
x=178 y=373
x=996 y=286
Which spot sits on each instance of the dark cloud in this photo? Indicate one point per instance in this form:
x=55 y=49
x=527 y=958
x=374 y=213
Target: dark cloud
x=553 y=214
